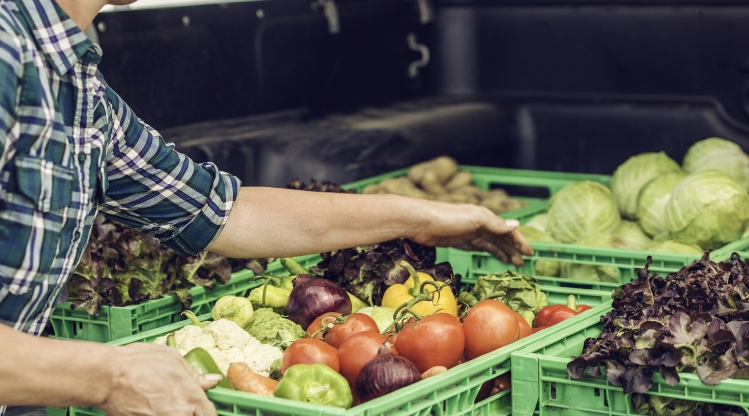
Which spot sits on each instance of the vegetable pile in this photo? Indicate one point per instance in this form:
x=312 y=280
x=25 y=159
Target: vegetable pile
x=121 y=266
x=439 y=179
x=695 y=320
x=653 y=204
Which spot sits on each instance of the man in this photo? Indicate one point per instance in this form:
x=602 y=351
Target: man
x=71 y=148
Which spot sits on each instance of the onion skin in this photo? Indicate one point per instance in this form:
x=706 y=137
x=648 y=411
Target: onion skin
x=312 y=297
x=385 y=374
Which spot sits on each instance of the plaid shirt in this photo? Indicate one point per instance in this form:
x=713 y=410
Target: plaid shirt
x=69 y=148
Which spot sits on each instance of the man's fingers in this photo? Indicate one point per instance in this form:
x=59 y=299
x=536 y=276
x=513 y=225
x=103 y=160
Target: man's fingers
x=204 y=407
x=209 y=381
x=484 y=245
x=521 y=244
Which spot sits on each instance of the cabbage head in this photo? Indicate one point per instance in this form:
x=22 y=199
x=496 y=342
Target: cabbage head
x=718 y=154
x=632 y=236
x=543 y=267
x=590 y=273
x=538 y=222
x=671 y=246
x=707 y=208
x=382 y=316
x=651 y=205
x=581 y=210
x=631 y=176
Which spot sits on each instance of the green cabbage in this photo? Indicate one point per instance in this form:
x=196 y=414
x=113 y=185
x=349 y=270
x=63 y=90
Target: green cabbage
x=671 y=246
x=708 y=209
x=718 y=154
x=538 y=222
x=581 y=210
x=631 y=176
x=651 y=205
x=542 y=267
x=266 y=326
x=590 y=273
x=632 y=235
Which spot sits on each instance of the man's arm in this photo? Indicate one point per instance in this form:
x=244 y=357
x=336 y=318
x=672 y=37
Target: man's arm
x=121 y=380
x=270 y=222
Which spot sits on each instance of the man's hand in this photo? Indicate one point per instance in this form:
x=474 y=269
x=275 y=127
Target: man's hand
x=155 y=380
x=474 y=228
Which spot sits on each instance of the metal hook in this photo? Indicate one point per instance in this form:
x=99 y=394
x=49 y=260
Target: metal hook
x=413 y=67
x=426 y=11
x=330 y=9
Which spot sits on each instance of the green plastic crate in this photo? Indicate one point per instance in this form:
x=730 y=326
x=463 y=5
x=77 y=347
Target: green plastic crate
x=449 y=394
x=116 y=322
x=471 y=265
x=541 y=386
x=57 y=411
x=489 y=178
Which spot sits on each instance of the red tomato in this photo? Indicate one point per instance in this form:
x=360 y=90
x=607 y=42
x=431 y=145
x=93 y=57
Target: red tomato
x=488 y=326
x=316 y=325
x=309 y=351
x=583 y=308
x=524 y=329
x=354 y=324
x=552 y=315
x=356 y=352
x=540 y=328
x=436 y=340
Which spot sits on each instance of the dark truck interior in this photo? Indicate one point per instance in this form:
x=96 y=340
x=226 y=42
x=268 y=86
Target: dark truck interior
x=339 y=90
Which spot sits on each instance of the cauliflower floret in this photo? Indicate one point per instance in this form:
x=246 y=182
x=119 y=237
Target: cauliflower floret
x=227 y=334
x=160 y=341
x=182 y=352
x=203 y=341
x=224 y=358
x=188 y=331
x=259 y=358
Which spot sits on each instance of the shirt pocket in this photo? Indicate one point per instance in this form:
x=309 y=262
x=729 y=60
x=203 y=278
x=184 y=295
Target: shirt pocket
x=35 y=226
x=48 y=185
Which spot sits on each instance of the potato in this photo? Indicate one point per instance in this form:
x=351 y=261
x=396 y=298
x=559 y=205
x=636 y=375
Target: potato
x=402 y=186
x=431 y=184
x=370 y=189
x=499 y=204
x=459 y=180
x=443 y=168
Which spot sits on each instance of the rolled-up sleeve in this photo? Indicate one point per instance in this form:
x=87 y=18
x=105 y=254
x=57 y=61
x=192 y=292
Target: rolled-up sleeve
x=155 y=189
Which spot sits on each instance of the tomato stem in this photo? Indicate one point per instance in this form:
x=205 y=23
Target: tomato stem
x=416 y=290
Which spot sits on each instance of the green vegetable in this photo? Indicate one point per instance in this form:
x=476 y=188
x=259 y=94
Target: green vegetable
x=647 y=404
x=268 y=296
x=719 y=154
x=233 y=308
x=201 y=361
x=651 y=204
x=581 y=210
x=315 y=383
x=591 y=273
x=356 y=303
x=275 y=370
x=293 y=266
x=521 y=293
x=538 y=222
x=382 y=316
x=708 y=209
x=671 y=246
x=632 y=236
x=631 y=176
x=543 y=267
x=266 y=326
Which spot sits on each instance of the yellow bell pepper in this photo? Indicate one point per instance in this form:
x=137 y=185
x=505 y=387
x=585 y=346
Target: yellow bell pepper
x=443 y=302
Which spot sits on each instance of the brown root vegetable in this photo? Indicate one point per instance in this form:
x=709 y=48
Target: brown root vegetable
x=500 y=204
x=459 y=180
x=370 y=189
x=431 y=184
x=242 y=378
x=443 y=168
x=433 y=372
x=402 y=186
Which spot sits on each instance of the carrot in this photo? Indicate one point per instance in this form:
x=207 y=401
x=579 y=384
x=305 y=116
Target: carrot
x=242 y=378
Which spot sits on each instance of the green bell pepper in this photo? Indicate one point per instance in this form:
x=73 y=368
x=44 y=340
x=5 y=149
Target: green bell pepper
x=315 y=383
x=356 y=303
x=268 y=296
x=201 y=361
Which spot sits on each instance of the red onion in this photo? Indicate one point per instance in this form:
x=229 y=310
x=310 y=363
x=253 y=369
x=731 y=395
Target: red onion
x=312 y=297
x=385 y=374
